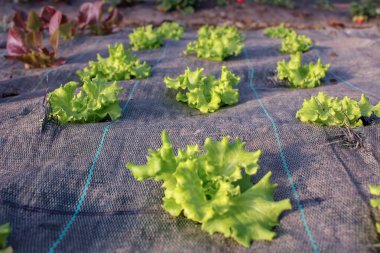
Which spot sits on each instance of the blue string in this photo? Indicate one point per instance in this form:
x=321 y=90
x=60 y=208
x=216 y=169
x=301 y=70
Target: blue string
x=283 y=159
x=348 y=83
x=91 y=171
x=81 y=199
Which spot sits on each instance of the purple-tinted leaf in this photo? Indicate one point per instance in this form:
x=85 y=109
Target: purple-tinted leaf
x=86 y=15
x=55 y=22
x=113 y=21
x=90 y=17
x=46 y=14
x=19 y=19
x=15 y=43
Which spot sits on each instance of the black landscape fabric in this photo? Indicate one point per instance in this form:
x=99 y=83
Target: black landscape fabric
x=66 y=189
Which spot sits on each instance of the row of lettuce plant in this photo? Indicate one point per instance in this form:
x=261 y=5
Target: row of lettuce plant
x=210 y=185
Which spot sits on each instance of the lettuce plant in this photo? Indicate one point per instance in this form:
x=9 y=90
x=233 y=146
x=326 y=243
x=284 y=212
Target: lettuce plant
x=279 y=31
x=216 y=43
x=210 y=188
x=205 y=93
x=67 y=28
x=301 y=76
x=25 y=38
x=293 y=43
x=171 y=30
x=328 y=111
x=120 y=65
x=375 y=203
x=5 y=230
x=145 y=37
x=186 y=5
x=91 y=18
x=96 y=101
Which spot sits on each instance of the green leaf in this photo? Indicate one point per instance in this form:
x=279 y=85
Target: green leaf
x=250 y=216
x=374 y=190
x=171 y=30
x=210 y=188
x=216 y=43
x=279 y=31
x=301 y=76
x=366 y=108
x=33 y=24
x=376 y=109
x=328 y=111
x=120 y=65
x=95 y=102
x=145 y=37
x=5 y=231
x=293 y=43
x=205 y=93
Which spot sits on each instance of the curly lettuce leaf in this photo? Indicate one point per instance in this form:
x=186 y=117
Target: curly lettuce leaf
x=209 y=187
x=279 y=31
x=216 y=43
x=5 y=231
x=301 y=76
x=145 y=37
x=96 y=101
x=171 y=30
x=293 y=43
x=205 y=93
x=328 y=111
x=120 y=65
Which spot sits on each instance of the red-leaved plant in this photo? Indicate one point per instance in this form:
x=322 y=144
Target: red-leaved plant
x=25 y=38
x=90 y=18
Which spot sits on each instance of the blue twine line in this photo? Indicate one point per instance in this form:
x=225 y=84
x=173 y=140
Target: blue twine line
x=283 y=159
x=348 y=83
x=91 y=171
x=81 y=199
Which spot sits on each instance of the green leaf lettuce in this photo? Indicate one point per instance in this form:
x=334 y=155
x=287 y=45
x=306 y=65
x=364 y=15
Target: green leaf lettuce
x=205 y=93
x=96 y=101
x=216 y=43
x=210 y=188
x=328 y=111
x=120 y=65
x=301 y=76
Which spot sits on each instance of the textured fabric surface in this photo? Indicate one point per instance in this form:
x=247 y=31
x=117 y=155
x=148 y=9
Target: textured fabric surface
x=66 y=189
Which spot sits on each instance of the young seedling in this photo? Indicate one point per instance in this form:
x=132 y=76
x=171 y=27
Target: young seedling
x=90 y=18
x=299 y=75
x=216 y=43
x=25 y=38
x=205 y=93
x=171 y=30
x=96 y=101
x=120 y=65
x=145 y=37
x=293 y=43
x=279 y=31
x=214 y=188
x=328 y=111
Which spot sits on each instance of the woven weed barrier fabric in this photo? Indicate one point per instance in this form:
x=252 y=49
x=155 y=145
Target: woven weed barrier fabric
x=66 y=189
